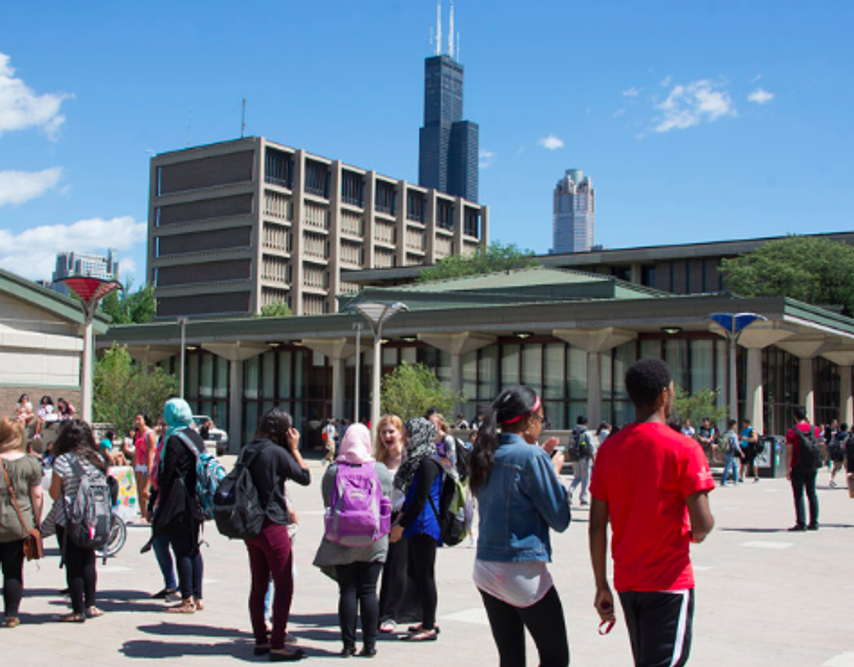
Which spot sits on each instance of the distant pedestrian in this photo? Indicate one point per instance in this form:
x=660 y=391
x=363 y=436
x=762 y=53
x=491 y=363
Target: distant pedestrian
x=583 y=448
x=462 y=424
x=144 y=444
x=802 y=463
x=836 y=451
x=749 y=444
x=329 y=435
x=688 y=430
x=652 y=485
x=732 y=453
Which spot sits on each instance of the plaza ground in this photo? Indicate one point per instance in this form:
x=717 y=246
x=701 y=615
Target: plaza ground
x=764 y=597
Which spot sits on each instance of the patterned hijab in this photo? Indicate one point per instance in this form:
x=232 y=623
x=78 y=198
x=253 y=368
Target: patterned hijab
x=421 y=445
x=177 y=415
x=355 y=446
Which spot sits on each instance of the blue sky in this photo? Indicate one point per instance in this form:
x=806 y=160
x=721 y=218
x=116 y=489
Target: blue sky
x=697 y=121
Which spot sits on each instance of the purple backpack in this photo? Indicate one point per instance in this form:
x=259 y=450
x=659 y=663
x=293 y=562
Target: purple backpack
x=358 y=513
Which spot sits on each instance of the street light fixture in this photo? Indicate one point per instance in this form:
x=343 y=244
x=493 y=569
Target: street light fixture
x=733 y=324
x=377 y=314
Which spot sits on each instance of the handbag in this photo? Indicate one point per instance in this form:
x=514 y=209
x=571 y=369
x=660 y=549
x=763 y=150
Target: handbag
x=33 y=547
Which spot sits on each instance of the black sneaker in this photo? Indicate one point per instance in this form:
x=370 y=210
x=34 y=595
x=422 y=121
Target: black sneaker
x=797 y=529
x=165 y=593
x=812 y=526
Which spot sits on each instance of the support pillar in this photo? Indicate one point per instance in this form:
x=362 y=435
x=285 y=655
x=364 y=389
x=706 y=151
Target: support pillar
x=754 y=392
x=338 y=384
x=806 y=393
x=594 y=389
x=456 y=383
x=235 y=406
x=846 y=400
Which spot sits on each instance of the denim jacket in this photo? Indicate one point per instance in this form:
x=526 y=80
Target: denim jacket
x=521 y=500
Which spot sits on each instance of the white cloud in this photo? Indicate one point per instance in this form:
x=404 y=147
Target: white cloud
x=17 y=187
x=551 y=142
x=760 y=96
x=127 y=266
x=756 y=78
x=32 y=253
x=618 y=113
x=690 y=105
x=666 y=81
x=21 y=108
x=486 y=159
x=634 y=91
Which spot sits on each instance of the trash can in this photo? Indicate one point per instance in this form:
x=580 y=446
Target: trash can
x=771 y=459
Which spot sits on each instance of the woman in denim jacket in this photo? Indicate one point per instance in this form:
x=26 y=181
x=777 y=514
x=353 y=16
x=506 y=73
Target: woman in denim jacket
x=519 y=499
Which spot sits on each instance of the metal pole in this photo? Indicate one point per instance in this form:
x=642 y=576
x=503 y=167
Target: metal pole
x=358 y=328
x=375 y=390
x=183 y=322
x=733 y=386
x=86 y=367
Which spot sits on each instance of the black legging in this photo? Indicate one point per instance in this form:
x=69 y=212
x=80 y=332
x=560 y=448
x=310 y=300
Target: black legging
x=12 y=561
x=544 y=621
x=80 y=573
x=357 y=587
x=422 y=566
x=184 y=538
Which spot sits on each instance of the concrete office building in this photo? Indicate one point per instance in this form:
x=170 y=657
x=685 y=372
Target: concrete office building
x=448 y=145
x=574 y=213
x=82 y=264
x=238 y=225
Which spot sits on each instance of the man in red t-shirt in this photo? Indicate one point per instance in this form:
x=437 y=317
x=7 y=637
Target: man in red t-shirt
x=802 y=477
x=651 y=483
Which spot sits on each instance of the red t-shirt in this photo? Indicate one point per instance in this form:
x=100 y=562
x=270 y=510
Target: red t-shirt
x=645 y=472
x=792 y=439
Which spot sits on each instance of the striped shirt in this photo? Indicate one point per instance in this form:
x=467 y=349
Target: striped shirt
x=70 y=480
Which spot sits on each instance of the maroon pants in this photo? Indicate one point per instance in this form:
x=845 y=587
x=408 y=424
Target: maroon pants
x=270 y=556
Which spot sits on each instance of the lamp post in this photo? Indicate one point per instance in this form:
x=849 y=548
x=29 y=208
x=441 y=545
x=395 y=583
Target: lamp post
x=90 y=291
x=733 y=324
x=182 y=322
x=358 y=327
x=377 y=314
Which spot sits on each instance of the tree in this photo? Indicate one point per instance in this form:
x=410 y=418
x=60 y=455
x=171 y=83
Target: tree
x=410 y=389
x=812 y=269
x=123 y=388
x=124 y=307
x=485 y=259
x=275 y=309
x=697 y=406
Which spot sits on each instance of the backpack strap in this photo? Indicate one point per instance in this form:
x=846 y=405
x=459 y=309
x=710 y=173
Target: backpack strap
x=183 y=437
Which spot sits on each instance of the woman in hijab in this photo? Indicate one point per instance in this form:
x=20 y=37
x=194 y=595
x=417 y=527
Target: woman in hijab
x=356 y=569
x=174 y=516
x=419 y=481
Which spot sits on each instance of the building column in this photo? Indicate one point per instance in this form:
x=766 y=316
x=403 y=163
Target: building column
x=297 y=241
x=594 y=389
x=456 y=381
x=235 y=406
x=846 y=400
x=806 y=389
x=338 y=383
x=755 y=395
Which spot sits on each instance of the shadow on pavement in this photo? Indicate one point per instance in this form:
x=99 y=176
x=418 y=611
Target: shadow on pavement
x=176 y=629
x=147 y=650
x=754 y=530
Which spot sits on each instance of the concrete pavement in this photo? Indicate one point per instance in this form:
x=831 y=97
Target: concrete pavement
x=764 y=597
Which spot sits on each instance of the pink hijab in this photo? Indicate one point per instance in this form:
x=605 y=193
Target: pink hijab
x=355 y=447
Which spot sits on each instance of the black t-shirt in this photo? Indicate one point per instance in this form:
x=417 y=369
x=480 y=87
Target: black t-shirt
x=271 y=467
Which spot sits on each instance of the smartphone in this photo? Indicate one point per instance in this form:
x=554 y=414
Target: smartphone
x=559 y=448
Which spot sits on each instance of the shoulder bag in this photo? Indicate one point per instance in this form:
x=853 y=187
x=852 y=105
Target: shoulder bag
x=33 y=548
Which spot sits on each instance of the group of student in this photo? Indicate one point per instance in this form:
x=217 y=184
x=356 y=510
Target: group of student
x=35 y=420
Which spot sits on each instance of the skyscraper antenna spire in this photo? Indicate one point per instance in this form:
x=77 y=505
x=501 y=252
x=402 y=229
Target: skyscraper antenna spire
x=439 y=28
x=451 y=33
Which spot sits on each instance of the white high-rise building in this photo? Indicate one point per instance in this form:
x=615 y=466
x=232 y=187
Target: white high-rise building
x=574 y=213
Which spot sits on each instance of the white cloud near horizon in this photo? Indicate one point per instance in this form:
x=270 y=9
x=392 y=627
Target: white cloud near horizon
x=698 y=102
x=486 y=158
x=17 y=187
x=634 y=91
x=551 y=142
x=760 y=96
x=32 y=252
x=21 y=108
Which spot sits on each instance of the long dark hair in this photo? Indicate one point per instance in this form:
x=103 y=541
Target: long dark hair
x=512 y=404
x=275 y=425
x=76 y=437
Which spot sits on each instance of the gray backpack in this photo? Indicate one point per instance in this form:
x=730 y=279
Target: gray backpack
x=90 y=514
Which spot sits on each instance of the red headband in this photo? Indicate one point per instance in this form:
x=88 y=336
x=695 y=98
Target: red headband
x=521 y=417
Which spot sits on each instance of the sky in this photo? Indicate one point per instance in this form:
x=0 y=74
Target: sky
x=696 y=120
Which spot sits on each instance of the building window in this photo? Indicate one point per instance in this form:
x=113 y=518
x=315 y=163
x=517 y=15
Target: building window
x=445 y=215
x=279 y=168
x=352 y=188
x=386 y=198
x=415 y=206
x=317 y=178
x=471 y=222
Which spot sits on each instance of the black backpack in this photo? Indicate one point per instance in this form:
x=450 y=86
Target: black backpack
x=836 y=449
x=463 y=459
x=237 y=510
x=809 y=453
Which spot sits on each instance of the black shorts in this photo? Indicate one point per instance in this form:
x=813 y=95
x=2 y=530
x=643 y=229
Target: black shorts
x=659 y=626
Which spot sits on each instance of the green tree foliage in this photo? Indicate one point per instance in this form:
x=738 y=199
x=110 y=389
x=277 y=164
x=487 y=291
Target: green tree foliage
x=124 y=307
x=123 y=388
x=276 y=309
x=485 y=259
x=411 y=389
x=808 y=268
x=697 y=406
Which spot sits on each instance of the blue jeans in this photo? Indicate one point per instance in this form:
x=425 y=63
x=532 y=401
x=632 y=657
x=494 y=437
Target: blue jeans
x=731 y=462
x=164 y=561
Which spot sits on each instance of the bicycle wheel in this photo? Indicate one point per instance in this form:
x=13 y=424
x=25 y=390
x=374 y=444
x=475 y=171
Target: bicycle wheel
x=117 y=538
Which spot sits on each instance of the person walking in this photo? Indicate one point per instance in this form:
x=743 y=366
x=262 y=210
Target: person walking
x=733 y=453
x=144 y=444
x=750 y=450
x=583 y=444
x=176 y=481
x=275 y=460
x=802 y=468
x=520 y=499
x=356 y=569
x=399 y=601
x=419 y=479
x=77 y=455
x=651 y=484
x=20 y=510
x=836 y=451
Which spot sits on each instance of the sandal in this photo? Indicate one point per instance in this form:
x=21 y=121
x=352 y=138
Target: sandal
x=93 y=612
x=71 y=618
x=388 y=625
x=421 y=636
x=279 y=655
x=199 y=604
x=185 y=607
x=12 y=621
x=418 y=628
x=261 y=649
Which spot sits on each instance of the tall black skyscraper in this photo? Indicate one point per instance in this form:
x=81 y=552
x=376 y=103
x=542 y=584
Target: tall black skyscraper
x=448 y=150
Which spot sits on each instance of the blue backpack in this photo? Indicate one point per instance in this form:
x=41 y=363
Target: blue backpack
x=209 y=475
